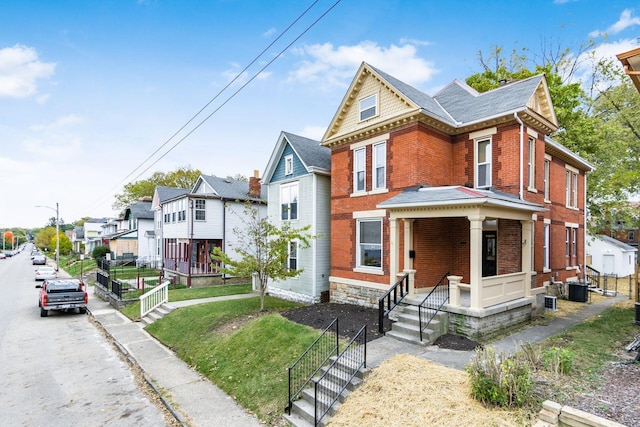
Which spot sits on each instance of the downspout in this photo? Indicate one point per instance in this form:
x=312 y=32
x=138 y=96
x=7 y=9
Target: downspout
x=314 y=264
x=190 y=243
x=515 y=116
x=584 y=242
x=224 y=234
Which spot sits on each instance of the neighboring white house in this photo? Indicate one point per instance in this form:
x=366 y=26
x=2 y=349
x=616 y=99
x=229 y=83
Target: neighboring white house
x=194 y=223
x=610 y=256
x=93 y=233
x=299 y=182
x=162 y=195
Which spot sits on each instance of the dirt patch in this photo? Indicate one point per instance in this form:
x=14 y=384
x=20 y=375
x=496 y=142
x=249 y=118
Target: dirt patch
x=350 y=318
x=456 y=342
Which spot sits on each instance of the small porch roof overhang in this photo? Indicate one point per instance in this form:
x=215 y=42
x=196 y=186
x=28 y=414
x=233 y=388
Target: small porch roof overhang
x=438 y=199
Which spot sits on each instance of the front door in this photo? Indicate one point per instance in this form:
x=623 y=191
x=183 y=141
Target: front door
x=489 y=253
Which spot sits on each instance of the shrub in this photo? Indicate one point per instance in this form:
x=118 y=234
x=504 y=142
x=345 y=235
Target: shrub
x=100 y=252
x=558 y=360
x=499 y=379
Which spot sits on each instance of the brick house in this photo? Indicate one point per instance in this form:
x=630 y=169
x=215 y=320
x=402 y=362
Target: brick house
x=463 y=185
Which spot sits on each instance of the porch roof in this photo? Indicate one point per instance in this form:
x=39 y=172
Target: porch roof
x=426 y=197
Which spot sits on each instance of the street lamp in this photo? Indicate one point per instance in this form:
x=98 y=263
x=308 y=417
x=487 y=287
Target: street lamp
x=57 y=232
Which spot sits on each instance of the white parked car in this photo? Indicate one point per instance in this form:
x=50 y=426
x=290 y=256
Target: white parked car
x=46 y=273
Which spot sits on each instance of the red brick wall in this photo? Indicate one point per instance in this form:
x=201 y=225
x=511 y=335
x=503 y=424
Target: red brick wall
x=509 y=246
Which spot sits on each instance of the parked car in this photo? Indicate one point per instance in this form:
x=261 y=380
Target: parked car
x=64 y=294
x=46 y=273
x=3 y=255
x=39 y=260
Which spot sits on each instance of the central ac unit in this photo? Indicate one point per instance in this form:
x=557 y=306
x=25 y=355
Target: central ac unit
x=550 y=303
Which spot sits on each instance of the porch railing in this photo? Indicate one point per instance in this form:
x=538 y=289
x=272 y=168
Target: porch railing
x=592 y=276
x=335 y=380
x=391 y=299
x=186 y=267
x=302 y=371
x=433 y=302
x=154 y=298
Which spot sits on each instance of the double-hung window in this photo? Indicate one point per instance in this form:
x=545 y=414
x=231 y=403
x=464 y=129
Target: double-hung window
x=545 y=248
x=547 y=171
x=379 y=165
x=571 y=192
x=368 y=107
x=532 y=163
x=200 y=211
x=369 y=253
x=289 y=201
x=483 y=163
x=359 y=169
x=292 y=258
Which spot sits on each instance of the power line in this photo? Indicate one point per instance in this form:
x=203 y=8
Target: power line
x=240 y=74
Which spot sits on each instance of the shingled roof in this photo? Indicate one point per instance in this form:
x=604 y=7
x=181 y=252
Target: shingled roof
x=231 y=189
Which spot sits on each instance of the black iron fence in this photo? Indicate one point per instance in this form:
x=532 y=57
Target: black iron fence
x=312 y=360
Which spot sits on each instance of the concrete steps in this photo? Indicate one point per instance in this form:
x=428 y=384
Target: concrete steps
x=407 y=324
x=303 y=409
x=157 y=314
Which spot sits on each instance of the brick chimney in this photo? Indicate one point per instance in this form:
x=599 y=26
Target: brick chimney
x=254 y=184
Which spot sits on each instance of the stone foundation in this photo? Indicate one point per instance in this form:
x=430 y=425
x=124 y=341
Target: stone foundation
x=292 y=296
x=484 y=324
x=111 y=298
x=363 y=296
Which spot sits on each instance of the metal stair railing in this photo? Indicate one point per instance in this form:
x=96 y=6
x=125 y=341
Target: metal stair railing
x=433 y=302
x=592 y=276
x=335 y=380
x=302 y=371
x=391 y=299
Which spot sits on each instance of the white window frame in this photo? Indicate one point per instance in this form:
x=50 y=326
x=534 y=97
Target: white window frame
x=547 y=175
x=360 y=262
x=532 y=163
x=366 y=108
x=545 y=248
x=286 y=193
x=571 y=187
x=360 y=167
x=288 y=164
x=486 y=163
x=293 y=244
x=379 y=162
x=199 y=209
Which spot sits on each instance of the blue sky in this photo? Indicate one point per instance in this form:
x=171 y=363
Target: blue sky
x=90 y=89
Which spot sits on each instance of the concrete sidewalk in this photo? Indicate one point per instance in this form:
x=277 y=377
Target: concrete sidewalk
x=195 y=399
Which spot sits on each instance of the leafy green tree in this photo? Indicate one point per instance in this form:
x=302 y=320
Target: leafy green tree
x=44 y=237
x=184 y=177
x=100 y=252
x=263 y=249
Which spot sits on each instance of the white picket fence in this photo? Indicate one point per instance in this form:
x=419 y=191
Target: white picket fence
x=154 y=298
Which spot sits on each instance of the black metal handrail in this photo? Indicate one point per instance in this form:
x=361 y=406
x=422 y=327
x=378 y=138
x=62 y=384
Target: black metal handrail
x=116 y=288
x=335 y=380
x=102 y=279
x=302 y=371
x=592 y=276
x=433 y=302
x=391 y=296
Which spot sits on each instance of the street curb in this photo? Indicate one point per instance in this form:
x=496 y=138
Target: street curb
x=132 y=361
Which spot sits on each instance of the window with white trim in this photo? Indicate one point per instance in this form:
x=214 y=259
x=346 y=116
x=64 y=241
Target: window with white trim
x=545 y=248
x=574 y=246
x=292 y=256
x=368 y=107
x=532 y=163
x=359 y=169
x=289 y=201
x=200 y=211
x=182 y=210
x=369 y=238
x=379 y=165
x=571 y=191
x=547 y=172
x=483 y=163
x=288 y=164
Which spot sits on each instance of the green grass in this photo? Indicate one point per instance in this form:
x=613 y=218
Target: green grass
x=182 y=294
x=249 y=363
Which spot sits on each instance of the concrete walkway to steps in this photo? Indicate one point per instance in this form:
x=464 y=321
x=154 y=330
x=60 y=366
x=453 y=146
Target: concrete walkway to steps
x=197 y=401
x=383 y=348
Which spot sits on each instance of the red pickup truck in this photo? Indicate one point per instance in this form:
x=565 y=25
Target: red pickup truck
x=62 y=294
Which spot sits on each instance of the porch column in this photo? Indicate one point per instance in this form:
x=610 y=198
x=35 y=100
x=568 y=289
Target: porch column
x=527 y=244
x=408 y=243
x=475 y=261
x=412 y=278
x=394 y=249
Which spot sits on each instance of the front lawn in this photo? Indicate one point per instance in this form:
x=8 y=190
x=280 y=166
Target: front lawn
x=243 y=351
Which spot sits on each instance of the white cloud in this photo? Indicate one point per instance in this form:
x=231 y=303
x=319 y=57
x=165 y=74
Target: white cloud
x=269 y=32
x=60 y=123
x=20 y=70
x=625 y=21
x=333 y=66
x=313 y=132
x=416 y=42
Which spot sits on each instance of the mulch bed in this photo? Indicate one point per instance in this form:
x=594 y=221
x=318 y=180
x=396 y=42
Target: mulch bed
x=352 y=317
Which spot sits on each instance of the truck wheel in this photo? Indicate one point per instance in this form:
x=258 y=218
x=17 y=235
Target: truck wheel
x=43 y=312
x=82 y=310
